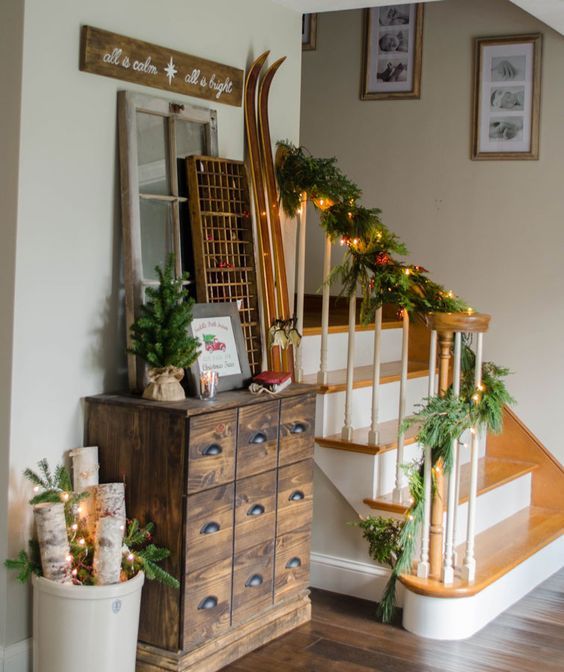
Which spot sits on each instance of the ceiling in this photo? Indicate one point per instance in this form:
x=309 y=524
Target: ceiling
x=550 y=12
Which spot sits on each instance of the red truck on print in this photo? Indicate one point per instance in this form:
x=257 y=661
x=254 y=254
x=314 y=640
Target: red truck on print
x=211 y=343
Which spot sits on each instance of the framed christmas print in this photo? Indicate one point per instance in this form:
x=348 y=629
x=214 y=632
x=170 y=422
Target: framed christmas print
x=506 y=105
x=222 y=346
x=393 y=44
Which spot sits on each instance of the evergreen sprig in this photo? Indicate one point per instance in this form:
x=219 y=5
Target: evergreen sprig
x=26 y=564
x=146 y=556
x=300 y=172
x=160 y=333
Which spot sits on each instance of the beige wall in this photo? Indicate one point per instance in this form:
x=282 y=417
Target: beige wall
x=11 y=29
x=491 y=231
x=68 y=337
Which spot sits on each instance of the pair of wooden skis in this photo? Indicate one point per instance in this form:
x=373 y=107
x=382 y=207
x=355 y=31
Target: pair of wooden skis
x=272 y=267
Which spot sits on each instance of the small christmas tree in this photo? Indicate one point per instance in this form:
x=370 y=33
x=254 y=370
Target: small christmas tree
x=160 y=334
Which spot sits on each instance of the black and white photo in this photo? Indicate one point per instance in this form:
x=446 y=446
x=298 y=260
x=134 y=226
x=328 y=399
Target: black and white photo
x=392 y=52
x=506 y=97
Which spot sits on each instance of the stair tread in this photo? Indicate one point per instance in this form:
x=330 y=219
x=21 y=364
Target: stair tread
x=498 y=550
x=389 y=372
x=492 y=472
x=388 y=434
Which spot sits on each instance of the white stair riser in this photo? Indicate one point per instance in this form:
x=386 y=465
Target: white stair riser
x=353 y=474
x=386 y=475
x=358 y=476
x=494 y=506
x=337 y=349
x=462 y=617
x=331 y=407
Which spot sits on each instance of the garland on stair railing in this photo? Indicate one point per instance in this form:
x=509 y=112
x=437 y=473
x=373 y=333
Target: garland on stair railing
x=369 y=265
x=441 y=420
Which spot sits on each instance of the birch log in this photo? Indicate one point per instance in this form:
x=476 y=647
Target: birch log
x=85 y=469
x=108 y=550
x=110 y=501
x=53 y=541
x=110 y=528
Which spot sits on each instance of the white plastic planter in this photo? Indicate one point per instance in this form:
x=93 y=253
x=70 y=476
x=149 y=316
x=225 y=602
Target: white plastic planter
x=86 y=628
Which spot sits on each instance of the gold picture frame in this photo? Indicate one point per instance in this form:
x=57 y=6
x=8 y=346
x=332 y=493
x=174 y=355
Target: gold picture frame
x=392 y=52
x=309 y=32
x=506 y=98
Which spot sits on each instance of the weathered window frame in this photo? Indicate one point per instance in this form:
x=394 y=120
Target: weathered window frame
x=129 y=104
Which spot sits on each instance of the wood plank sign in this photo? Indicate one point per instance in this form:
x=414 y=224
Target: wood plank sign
x=105 y=53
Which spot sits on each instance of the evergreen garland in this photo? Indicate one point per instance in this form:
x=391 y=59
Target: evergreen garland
x=441 y=422
x=160 y=334
x=369 y=263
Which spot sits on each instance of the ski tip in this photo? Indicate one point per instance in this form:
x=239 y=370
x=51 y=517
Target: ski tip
x=269 y=75
x=259 y=61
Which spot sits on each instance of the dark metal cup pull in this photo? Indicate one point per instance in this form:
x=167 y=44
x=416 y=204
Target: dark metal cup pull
x=254 y=580
x=210 y=528
x=296 y=496
x=298 y=428
x=258 y=437
x=256 y=510
x=293 y=563
x=213 y=449
x=208 y=602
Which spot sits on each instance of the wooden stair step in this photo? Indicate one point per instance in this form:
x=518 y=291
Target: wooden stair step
x=492 y=473
x=498 y=550
x=389 y=373
x=388 y=435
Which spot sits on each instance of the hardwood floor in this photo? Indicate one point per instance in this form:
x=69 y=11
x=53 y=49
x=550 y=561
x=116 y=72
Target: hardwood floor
x=344 y=637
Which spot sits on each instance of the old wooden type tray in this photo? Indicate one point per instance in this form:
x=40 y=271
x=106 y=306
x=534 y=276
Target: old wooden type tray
x=222 y=237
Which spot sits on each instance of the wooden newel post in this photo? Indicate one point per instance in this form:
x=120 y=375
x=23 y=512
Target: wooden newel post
x=446 y=324
x=445 y=342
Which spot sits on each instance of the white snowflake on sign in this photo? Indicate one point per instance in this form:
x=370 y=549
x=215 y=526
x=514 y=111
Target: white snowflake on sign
x=170 y=71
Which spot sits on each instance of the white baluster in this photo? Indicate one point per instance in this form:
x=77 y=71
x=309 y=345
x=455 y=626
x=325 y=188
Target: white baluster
x=300 y=285
x=469 y=566
x=452 y=505
x=322 y=375
x=423 y=567
x=400 y=476
x=373 y=434
x=347 y=431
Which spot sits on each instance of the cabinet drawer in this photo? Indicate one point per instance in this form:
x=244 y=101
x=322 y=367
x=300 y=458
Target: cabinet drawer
x=257 y=440
x=255 y=510
x=292 y=564
x=209 y=526
x=297 y=420
x=207 y=603
x=253 y=574
x=211 y=450
x=295 y=496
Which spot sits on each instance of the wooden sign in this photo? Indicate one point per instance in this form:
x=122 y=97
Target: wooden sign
x=105 y=53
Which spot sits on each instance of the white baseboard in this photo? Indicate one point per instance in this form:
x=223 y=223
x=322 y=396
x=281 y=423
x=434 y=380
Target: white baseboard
x=350 y=577
x=16 y=657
